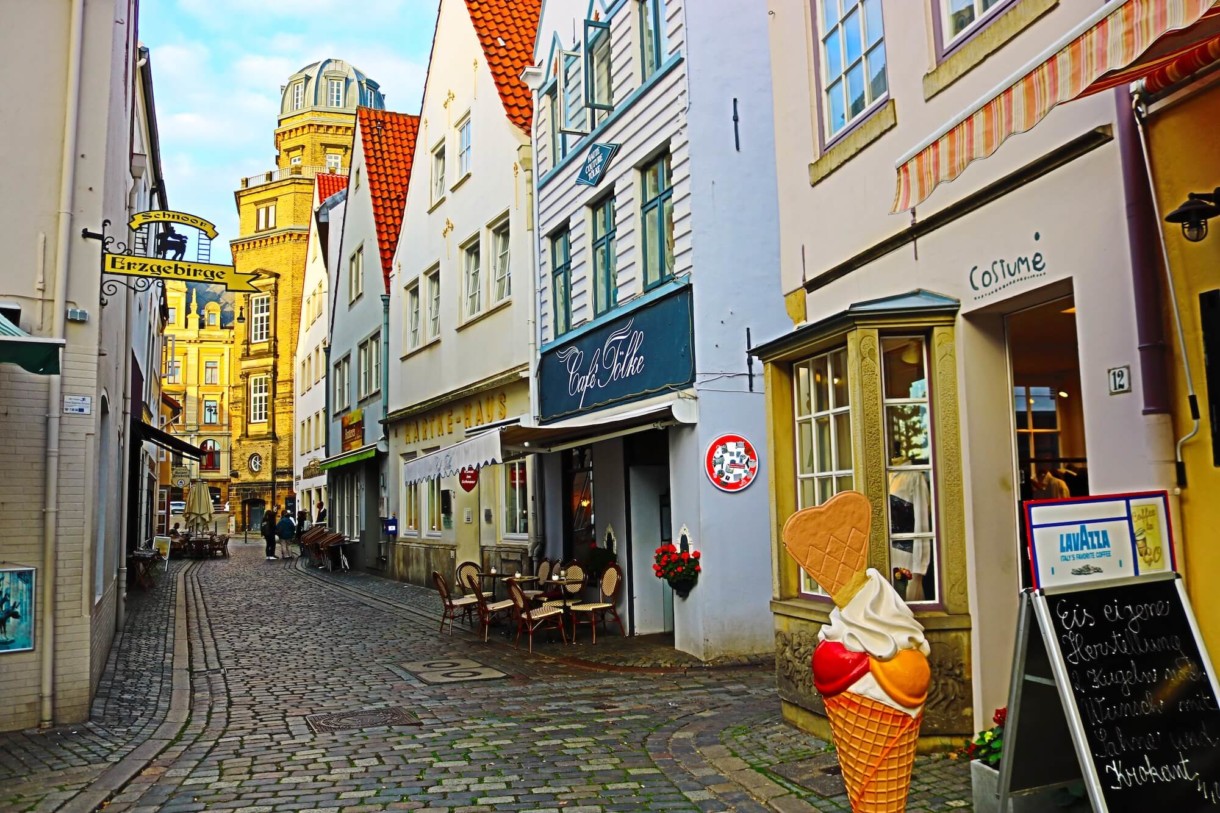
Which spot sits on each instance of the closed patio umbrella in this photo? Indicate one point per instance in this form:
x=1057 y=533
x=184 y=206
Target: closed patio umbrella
x=198 y=514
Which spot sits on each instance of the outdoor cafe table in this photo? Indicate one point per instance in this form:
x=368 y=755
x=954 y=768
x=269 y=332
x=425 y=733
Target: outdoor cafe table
x=142 y=562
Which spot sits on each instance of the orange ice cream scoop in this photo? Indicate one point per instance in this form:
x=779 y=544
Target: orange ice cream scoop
x=904 y=677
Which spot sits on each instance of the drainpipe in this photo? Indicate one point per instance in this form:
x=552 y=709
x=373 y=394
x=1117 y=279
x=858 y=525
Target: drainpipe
x=50 y=510
x=385 y=366
x=1188 y=377
x=526 y=156
x=1141 y=220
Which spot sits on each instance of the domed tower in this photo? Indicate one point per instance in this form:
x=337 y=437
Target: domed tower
x=313 y=136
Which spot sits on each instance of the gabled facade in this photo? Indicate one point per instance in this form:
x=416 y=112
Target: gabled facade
x=359 y=323
x=656 y=245
x=950 y=361
x=309 y=481
x=460 y=300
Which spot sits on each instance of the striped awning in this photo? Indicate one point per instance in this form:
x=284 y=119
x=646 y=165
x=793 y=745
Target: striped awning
x=1161 y=41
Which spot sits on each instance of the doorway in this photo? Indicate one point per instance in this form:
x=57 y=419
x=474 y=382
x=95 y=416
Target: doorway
x=1048 y=413
x=650 y=600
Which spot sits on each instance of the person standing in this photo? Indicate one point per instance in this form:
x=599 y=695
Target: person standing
x=286 y=530
x=267 y=529
x=320 y=517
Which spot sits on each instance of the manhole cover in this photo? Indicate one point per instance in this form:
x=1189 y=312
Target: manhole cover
x=820 y=774
x=369 y=718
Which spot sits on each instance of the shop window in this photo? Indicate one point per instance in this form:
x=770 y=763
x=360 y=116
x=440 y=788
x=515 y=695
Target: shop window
x=579 y=522
x=853 y=60
x=657 y=212
x=823 y=434
x=604 y=257
x=516 y=501
x=909 y=468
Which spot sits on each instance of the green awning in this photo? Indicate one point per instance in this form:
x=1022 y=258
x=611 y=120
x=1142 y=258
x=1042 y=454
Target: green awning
x=33 y=353
x=354 y=456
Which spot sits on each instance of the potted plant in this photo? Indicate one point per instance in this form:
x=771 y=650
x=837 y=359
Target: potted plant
x=601 y=558
x=679 y=567
x=985 y=752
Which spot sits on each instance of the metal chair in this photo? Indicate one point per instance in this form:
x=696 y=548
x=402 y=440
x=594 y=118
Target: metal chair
x=570 y=588
x=488 y=610
x=451 y=605
x=610 y=585
x=544 y=573
x=531 y=618
x=467 y=568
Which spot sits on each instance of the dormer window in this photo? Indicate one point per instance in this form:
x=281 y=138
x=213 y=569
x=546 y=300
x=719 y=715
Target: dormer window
x=298 y=95
x=334 y=92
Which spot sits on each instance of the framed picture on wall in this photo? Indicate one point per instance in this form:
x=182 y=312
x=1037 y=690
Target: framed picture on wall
x=17 y=599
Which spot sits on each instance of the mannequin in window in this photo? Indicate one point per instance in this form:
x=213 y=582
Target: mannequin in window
x=1049 y=487
x=910 y=501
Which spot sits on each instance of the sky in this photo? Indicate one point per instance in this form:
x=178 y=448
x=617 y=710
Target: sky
x=218 y=66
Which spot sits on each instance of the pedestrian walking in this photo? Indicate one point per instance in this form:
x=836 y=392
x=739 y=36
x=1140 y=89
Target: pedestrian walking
x=267 y=529
x=286 y=530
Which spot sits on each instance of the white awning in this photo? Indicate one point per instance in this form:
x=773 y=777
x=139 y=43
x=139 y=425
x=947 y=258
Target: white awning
x=598 y=426
x=472 y=453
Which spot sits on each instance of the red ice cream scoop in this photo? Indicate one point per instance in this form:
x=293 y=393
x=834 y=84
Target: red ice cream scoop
x=835 y=667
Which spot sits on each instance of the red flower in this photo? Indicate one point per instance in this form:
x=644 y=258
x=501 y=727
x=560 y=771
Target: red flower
x=685 y=556
x=695 y=555
x=698 y=569
x=1000 y=716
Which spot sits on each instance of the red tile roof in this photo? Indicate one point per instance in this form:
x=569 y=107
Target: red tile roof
x=506 y=30
x=388 y=140
x=329 y=184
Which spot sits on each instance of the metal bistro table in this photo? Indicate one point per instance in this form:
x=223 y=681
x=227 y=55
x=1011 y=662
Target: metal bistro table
x=142 y=562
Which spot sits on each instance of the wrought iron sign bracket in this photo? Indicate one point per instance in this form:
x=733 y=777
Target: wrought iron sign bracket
x=111 y=245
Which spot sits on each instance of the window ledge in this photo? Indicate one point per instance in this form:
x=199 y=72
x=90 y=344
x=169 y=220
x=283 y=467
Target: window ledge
x=459 y=182
x=878 y=123
x=436 y=204
x=479 y=317
x=416 y=350
x=989 y=39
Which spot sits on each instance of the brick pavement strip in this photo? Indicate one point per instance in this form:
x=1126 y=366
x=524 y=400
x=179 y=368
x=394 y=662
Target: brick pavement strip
x=270 y=645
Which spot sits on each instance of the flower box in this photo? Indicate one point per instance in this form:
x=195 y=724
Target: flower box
x=985 y=784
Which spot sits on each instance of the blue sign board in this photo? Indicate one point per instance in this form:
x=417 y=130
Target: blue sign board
x=645 y=352
x=597 y=161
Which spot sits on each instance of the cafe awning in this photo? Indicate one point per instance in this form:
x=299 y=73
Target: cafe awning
x=348 y=457
x=167 y=441
x=1160 y=41
x=32 y=353
x=473 y=453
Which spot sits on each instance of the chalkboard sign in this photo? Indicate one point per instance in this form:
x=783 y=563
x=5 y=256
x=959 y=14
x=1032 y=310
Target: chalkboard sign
x=1139 y=692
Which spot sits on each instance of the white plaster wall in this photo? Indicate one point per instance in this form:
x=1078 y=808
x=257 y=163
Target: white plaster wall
x=310 y=337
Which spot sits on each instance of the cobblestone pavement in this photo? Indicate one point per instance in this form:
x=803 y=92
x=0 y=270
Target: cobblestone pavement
x=623 y=725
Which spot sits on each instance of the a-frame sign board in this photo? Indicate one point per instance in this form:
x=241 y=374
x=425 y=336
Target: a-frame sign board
x=1117 y=673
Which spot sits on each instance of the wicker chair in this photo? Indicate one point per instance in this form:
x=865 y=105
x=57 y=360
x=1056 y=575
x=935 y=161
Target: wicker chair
x=488 y=610
x=465 y=569
x=570 y=589
x=530 y=618
x=610 y=586
x=544 y=573
x=451 y=605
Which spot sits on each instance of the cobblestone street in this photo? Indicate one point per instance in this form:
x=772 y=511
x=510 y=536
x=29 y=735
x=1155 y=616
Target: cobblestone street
x=210 y=697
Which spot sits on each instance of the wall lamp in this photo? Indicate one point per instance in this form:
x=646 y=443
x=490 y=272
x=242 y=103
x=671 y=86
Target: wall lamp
x=1194 y=214
x=241 y=315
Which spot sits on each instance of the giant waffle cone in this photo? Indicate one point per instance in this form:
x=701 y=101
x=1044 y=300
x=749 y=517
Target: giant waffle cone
x=830 y=542
x=876 y=746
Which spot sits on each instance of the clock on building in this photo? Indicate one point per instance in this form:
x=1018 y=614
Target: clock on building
x=256 y=462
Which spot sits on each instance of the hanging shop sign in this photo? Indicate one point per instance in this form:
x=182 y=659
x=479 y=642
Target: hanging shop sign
x=194 y=221
x=731 y=463
x=353 y=429
x=645 y=352
x=597 y=161
x=182 y=270
x=468 y=478
x=1087 y=539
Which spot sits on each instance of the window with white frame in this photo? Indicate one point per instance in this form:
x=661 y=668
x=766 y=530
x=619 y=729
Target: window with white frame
x=211 y=371
x=574 y=116
x=298 y=95
x=369 y=356
x=433 y=279
x=604 y=256
x=502 y=282
x=823 y=434
x=657 y=212
x=909 y=467
x=464 y=165
x=265 y=217
x=172 y=319
x=343 y=371
x=211 y=411
x=355 y=275
x=334 y=162
x=598 y=91
x=260 y=317
x=516 y=501
x=853 y=59
x=334 y=92
x=651 y=37
x=561 y=281
x=438 y=172
x=472 y=281
x=258 y=398
x=296 y=162
x=961 y=16
x=413 y=334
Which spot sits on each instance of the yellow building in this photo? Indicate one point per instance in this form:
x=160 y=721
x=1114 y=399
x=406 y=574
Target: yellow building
x=198 y=360
x=316 y=125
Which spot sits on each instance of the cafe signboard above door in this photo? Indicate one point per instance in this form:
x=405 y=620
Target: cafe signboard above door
x=644 y=352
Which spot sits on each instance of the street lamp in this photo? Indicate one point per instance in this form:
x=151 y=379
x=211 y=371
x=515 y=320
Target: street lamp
x=1193 y=215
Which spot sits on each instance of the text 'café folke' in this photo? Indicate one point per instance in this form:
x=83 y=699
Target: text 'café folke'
x=475 y=413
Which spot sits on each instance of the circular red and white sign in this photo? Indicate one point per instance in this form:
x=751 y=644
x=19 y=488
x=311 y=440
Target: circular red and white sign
x=731 y=463
x=468 y=479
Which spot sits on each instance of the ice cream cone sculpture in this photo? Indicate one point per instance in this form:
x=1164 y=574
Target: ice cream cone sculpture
x=871 y=661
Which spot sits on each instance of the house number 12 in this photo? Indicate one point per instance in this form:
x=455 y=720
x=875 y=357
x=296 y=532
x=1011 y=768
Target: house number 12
x=1120 y=379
